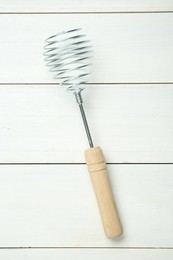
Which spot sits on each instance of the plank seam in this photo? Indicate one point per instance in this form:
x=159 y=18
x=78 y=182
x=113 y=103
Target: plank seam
x=90 y=83
x=115 y=248
x=64 y=163
x=82 y=12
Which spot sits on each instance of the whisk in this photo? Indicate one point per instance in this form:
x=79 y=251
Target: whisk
x=68 y=55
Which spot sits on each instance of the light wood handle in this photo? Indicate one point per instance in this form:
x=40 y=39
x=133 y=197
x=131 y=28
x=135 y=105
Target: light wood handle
x=98 y=172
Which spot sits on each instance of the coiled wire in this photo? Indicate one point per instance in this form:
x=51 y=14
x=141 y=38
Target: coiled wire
x=68 y=55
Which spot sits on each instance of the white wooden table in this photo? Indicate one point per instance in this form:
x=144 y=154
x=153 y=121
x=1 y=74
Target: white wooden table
x=47 y=206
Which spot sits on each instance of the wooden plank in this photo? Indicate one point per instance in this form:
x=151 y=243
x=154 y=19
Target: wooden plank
x=54 y=206
x=85 y=6
x=131 y=123
x=77 y=254
x=127 y=47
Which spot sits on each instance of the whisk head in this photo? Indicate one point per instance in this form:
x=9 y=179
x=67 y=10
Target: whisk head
x=68 y=55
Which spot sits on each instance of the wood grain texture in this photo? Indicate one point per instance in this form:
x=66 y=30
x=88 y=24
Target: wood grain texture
x=132 y=123
x=85 y=6
x=127 y=48
x=85 y=254
x=47 y=206
x=97 y=168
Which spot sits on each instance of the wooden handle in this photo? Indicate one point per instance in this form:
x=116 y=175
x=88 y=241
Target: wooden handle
x=98 y=172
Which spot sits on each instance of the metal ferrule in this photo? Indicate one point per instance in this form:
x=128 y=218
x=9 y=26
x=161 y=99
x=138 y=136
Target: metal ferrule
x=78 y=98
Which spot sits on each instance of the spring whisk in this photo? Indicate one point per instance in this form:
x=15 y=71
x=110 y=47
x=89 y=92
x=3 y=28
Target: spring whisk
x=68 y=54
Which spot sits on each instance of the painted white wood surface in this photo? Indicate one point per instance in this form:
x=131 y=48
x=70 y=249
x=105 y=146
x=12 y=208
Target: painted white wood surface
x=127 y=47
x=85 y=254
x=54 y=206
x=138 y=129
x=42 y=123
x=85 y=6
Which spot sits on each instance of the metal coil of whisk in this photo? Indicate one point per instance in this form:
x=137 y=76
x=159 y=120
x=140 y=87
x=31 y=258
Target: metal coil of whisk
x=68 y=55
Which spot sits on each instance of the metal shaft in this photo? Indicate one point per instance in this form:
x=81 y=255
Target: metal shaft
x=80 y=102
